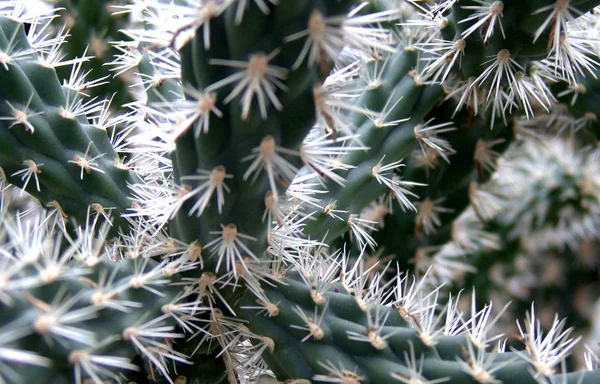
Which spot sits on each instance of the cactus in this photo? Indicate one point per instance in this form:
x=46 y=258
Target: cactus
x=333 y=335
x=542 y=248
x=55 y=143
x=92 y=27
x=87 y=315
x=269 y=130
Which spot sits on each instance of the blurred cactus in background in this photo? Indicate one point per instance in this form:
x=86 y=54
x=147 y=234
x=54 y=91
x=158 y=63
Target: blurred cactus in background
x=214 y=191
x=92 y=28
